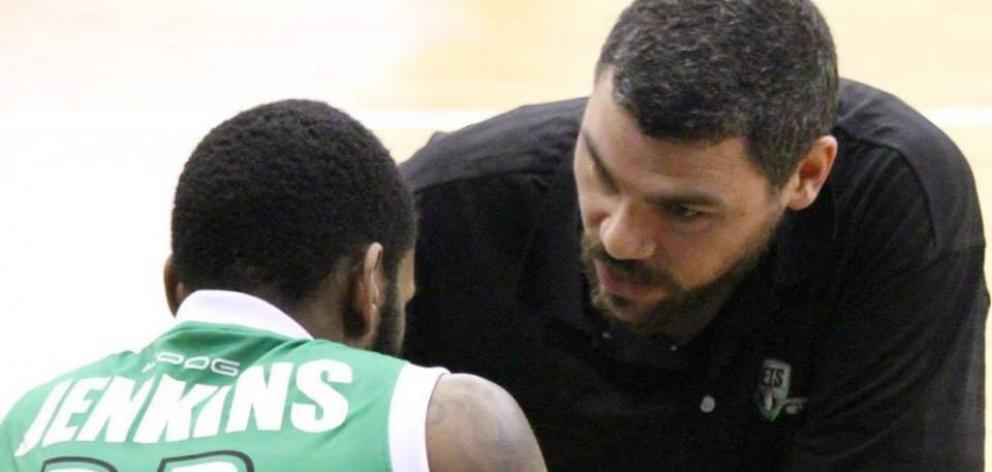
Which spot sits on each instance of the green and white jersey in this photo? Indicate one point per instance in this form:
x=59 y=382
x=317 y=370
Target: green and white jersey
x=235 y=386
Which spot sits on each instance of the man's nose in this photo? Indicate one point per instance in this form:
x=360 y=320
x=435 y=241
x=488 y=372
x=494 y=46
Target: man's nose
x=625 y=238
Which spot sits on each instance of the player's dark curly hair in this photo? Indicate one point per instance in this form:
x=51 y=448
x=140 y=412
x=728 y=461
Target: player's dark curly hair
x=275 y=197
x=765 y=70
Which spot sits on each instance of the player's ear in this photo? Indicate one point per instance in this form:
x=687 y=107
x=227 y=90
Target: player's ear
x=811 y=173
x=368 y=291
x=175 y=290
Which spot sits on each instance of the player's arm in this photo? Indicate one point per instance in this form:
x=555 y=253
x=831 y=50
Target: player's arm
x=473 y=424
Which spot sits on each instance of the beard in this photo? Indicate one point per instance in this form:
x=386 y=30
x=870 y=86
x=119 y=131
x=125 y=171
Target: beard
x=389 y=339
x=682 y=304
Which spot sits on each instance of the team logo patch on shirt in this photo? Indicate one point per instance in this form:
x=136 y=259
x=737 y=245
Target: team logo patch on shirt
x=772 y=396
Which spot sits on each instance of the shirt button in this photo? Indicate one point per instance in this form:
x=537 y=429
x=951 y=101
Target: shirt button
x=674 y=348
x=708 y=404
x=607 y=335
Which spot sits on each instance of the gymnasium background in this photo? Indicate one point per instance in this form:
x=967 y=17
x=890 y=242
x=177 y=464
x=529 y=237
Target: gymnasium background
x=102 y=101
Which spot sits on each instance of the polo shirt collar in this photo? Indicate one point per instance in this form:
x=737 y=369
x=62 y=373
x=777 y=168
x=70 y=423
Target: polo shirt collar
x=241 y=309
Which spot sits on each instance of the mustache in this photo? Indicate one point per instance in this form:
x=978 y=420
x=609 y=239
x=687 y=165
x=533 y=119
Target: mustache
x=593 y=250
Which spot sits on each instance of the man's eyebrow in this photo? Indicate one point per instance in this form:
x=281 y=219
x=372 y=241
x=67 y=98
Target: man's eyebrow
x=601 y=170
x=687 y=198
x=694 y=198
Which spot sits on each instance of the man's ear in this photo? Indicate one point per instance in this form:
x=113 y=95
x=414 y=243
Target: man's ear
x=368 y=295
x=175 y=290
x=811 y=173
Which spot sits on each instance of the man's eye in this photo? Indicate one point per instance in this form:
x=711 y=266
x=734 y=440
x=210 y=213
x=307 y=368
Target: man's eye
x=683 y=212
x=601 y=180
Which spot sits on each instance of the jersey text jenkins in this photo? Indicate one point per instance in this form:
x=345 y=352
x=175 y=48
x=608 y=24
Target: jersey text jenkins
x=165 y=408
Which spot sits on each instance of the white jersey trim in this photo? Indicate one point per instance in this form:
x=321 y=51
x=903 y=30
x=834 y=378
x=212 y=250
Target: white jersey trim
x=408 y=417
x=236 y=308
x=411 y=394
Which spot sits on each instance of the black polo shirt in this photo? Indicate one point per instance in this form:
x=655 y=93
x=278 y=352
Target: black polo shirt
x=857 y=343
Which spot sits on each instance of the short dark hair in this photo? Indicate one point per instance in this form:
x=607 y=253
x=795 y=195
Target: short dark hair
x=276 y=196
x=764 y=70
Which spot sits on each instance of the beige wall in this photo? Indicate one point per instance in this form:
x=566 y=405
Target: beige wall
x=102 y=100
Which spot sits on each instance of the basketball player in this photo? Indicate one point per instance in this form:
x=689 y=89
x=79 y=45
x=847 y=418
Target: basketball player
x=291 y=259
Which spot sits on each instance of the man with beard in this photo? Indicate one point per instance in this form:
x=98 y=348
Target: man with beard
x=725 y=258
x=292 y=239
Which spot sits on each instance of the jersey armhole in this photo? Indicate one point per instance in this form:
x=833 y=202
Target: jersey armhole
x=408 y=417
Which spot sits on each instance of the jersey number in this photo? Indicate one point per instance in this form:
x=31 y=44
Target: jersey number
x=216 y=461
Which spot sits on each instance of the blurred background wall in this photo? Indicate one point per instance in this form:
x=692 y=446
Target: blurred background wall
x=102 y=101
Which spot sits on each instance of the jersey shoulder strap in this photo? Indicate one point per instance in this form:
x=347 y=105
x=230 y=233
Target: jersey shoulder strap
x=408 y=417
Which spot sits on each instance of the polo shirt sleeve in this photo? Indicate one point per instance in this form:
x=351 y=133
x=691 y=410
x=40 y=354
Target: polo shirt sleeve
x=899 y=379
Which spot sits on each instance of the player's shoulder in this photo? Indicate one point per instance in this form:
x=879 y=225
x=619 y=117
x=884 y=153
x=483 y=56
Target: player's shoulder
x=473 y=423
x=481 y=391
x=105 y=366
x=531 y=138
x=28 y=404
x=322 y=349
